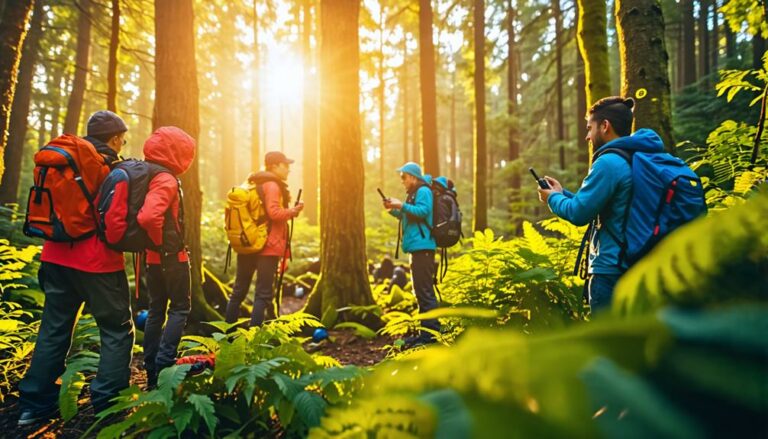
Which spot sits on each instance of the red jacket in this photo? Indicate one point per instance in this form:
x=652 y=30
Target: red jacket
x=174 y=149
x=279 y=216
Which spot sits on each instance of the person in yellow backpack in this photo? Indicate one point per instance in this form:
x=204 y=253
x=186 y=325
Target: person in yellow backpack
x=267 y=200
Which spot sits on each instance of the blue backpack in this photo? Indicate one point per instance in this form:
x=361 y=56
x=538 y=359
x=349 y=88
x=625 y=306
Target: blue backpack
x=666 y=194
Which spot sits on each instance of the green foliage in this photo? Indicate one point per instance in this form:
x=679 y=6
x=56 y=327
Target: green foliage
x=749 y=12
x=633 y=377
x=264 y=383
x=17 y=339
x=527 y=279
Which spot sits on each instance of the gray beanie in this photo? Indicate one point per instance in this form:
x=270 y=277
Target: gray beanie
x=105 y=122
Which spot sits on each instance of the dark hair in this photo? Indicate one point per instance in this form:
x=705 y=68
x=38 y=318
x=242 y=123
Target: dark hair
x=617 y=111
x=106 y=137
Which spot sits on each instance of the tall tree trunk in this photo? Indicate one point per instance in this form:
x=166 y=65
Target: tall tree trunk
x=703 y=28
x=593 y=46
x=58 y=74
x=404 y=98
x=644 y=74
x=758 y=50
x=227 y=75
x=343 y=274
x=144 y=108
x=429 y=154
x=581 y=112
x=715 y=43
x=480 y=203
x=176 y=104
x=82 y=64
x=41 y=133
x=688 y=47
x=256 y=102
x=310 y=121
x=381 y=92
x=13 y=30
x=17 y=132
x=452 y=141
x=730 y=39
x=557 y=15
x=114 y=44
x=512 y=141
x=415 y=133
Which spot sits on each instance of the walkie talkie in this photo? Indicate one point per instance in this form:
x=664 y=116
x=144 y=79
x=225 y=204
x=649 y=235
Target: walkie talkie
x=542 y=182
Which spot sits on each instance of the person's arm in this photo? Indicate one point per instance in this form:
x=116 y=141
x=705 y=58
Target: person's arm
x=163 y=189
x=594 y=194
x=421 y=206
x=397 y=213
x=275 y=211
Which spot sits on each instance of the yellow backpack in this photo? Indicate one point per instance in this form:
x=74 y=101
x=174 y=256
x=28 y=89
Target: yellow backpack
x=245 y=219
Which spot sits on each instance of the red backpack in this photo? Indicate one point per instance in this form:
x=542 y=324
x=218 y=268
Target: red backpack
x=67 y=176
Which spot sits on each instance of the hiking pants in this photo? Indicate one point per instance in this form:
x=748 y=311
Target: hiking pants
x=265 y=268
x=422 y=275
x=169 y=290
x=601 y=288
x=108 y=298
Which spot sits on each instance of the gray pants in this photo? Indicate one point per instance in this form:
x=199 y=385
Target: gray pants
x=108 y=298
x=422 y=276
x=265 y=268
x=169 y=290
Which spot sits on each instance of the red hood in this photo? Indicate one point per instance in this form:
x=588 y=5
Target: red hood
x=170 y=147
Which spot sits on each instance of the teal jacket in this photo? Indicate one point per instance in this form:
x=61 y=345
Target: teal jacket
x=416 y=235
x=605 y=192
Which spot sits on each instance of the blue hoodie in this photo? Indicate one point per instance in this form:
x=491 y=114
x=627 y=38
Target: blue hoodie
x=416 y=235
x=606 y=191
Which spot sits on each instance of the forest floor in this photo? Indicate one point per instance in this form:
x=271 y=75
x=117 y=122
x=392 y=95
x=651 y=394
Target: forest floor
x=342 y=345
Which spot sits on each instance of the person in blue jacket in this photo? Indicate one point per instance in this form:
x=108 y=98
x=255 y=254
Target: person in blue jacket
x=415 y=215
x=605 y=194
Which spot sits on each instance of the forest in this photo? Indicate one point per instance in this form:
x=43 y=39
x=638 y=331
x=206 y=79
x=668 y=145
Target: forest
x=348 y=91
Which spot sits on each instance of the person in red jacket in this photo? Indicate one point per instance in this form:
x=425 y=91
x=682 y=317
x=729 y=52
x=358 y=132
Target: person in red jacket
x=168 y=275
x=264 y=263
x=70 y=274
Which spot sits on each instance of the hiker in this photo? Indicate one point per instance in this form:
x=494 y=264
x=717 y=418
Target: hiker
x=269 y=198
x=399 y=278
x=415 y=217
x=384 y=271
x=620 y=195
x=168 y=273
x=75 y=271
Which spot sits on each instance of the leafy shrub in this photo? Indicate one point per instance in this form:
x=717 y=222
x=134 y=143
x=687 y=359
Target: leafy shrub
x=264 y=383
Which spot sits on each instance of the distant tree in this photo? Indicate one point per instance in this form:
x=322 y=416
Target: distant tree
x=429 y=147
x=82 y=65
x=310 y=137
x=480 y=200
x=114 y=44
x=13 y=30
x=688 y=46
x=17 y=132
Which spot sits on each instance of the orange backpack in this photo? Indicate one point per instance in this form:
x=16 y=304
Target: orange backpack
x=68 y=173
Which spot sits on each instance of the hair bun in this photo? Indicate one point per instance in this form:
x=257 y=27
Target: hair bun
x=629 y=102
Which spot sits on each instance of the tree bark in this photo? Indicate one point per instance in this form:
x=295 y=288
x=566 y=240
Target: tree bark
x=714 y=57
x=176 y=104
x=583 y=146
x=557 y=15
x=310 y=165
x=758 y=50
x=58 y=74
x=429 y=154
x=688 y=47
x=512 y=142
x=404 y=98
x=13 y=31
x=593 y=45
x=114 y=44
x=703 y=28
x=227 y=75
x=381 y=92
x=730 y=39
x=17 y=132
x=82 y=64
x=343 y=275
x=452 y=141
x=644 y=74
x=480 y=204
x=256 y=85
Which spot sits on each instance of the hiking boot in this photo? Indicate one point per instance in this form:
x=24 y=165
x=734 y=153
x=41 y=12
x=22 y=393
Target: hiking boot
x=29 y=416
x=151 y=379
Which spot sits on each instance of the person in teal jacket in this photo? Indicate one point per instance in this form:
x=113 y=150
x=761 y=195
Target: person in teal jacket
x=415 y=215
x=605 y=193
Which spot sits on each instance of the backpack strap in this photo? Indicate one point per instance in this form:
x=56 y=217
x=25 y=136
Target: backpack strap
x=623 y=245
